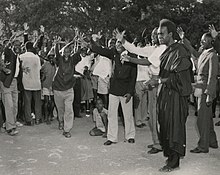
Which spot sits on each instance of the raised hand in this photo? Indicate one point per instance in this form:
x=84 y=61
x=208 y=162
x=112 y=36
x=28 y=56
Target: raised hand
x=26 y=27
x=119 y=35
x=180 y=32
x=213 y=31
x=42 y=28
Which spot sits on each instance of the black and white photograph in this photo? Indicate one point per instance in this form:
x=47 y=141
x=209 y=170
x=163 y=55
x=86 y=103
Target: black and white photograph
x=109 y=87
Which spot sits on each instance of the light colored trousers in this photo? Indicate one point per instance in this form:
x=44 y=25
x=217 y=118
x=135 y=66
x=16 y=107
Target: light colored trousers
x=141 y=109
x=152 y=106
x=64 y=101
x=10 y=101
x=113 y=118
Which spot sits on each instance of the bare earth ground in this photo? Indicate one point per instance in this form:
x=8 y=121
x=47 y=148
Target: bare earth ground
x=42 y=150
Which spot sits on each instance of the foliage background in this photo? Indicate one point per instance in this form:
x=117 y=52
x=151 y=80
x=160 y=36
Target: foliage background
x=62 y=16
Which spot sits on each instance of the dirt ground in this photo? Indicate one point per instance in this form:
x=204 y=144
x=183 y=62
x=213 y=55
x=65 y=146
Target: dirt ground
x=43 y=150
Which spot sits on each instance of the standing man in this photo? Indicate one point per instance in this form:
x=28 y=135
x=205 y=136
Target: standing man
x=32 y=85
x=205 y=91
x=63 y=87
x=153 y=54
x=9 y=84
x=122 y=87
x=175 y=80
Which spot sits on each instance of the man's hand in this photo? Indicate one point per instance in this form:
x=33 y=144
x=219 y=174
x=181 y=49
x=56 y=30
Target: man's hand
x=26 y=27
x=124 y=58
x=209 y=100
x=42 y=28
x=119 y=35
x=128 y=97
x=152 y=83
x=180 y=32
x=212 y=30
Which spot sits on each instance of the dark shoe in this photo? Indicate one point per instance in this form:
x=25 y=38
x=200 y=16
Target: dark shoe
x=67 y=134
x=139 y=126
x=109 y=142
x=48 y=122
x=150 y=146
x=154 y=151
x=197 y=150
x=217 y=124
x=60 y=125
x=12 y=132
x=104 y=135
x=214 y=146
x=143 y=125
x=31 y=123
x=131 y=141
x=167 y=169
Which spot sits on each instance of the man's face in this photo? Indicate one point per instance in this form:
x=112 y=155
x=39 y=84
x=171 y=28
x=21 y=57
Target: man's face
x=17 y=46
x=67 y=52
x=205 y=42
x=163 y=35
x=119 y=47
x=99 y=105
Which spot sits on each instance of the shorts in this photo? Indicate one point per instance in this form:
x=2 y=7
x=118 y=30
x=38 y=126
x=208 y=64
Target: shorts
x=102 y=86
x=46 y=91
x=94 y=79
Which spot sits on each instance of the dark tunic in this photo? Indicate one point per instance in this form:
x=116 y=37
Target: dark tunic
x=172 y=100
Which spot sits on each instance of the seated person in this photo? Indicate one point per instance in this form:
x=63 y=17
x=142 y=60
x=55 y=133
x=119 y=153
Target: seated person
x=100 y=119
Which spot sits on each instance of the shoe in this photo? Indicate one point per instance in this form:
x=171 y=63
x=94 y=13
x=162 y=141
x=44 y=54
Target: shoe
x=217 y=124
x=67 y=134
x=109 y=142
x=143 y=125
x=48 y=122
x=214 y=146
x=167 y=169
x=60 y=125
x=19 y=124
x=12 y=132
x=197 y=150
x=150 y=146
x=104 y=135
x=139 y=126
x=131 y=141
x=29 y=123
x=154 y=151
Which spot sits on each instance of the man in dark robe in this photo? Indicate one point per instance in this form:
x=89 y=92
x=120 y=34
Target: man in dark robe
x=175 y=87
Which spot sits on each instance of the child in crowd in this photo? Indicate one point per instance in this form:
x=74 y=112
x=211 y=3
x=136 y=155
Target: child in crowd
x=100 y=119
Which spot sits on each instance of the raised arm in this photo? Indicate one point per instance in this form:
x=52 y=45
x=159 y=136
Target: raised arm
x=216 y=37
x=187 y=43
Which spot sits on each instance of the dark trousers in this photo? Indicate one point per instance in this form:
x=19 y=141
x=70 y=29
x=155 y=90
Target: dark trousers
x=28 y=96
x=173 y=160
x=77 y=97
x=205 y=124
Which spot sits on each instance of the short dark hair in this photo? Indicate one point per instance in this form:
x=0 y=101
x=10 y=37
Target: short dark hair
x=29 y=45
x=171 y=27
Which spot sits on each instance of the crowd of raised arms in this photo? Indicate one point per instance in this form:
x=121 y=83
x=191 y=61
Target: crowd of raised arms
x=45 y=77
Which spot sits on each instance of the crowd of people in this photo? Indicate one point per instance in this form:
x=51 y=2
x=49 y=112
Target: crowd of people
x=141 y=82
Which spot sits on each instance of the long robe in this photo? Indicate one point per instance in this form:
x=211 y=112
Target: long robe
x=172 y=101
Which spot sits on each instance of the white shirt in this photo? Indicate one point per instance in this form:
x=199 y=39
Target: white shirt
x=103 y=67
x=31 y=73
x=142 y=72
x=153 y=54
x=86 y=61
x=17 y=66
